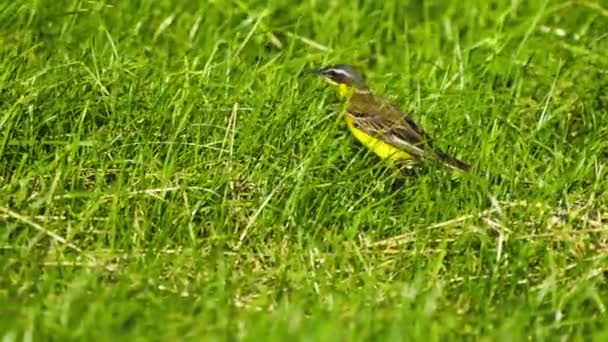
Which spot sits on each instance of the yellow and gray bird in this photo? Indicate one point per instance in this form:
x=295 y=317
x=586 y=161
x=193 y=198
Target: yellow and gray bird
x=381 y=126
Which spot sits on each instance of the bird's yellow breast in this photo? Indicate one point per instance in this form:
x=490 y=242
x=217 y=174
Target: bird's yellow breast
x=379 y=147
x=344 y=90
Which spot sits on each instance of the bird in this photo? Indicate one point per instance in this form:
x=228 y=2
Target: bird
x=381 y=126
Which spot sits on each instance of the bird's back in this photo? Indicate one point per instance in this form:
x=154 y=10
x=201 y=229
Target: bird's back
x=384 y=120
x=381 y=119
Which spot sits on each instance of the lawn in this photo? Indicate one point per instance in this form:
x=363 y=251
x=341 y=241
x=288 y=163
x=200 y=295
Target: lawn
x=169 y=170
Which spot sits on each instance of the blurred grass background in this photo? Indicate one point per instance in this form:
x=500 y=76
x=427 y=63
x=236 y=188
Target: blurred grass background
x=168 y=170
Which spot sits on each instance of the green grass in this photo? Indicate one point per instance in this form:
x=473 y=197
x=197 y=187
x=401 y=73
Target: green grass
x=169 y=171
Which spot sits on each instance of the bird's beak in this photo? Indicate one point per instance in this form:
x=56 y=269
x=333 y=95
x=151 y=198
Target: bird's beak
x=318 y=72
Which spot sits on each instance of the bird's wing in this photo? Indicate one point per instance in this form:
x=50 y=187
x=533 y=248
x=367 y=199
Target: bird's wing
x=384 y=121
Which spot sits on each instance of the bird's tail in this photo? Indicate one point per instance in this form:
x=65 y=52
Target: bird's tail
x=453 y=162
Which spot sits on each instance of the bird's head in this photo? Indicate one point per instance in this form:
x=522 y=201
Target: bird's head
x=345 y=77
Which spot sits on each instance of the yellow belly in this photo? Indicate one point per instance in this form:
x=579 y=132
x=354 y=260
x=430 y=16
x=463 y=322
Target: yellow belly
x=379 y=147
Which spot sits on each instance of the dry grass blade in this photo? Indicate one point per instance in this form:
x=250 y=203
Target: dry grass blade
x=93 y=262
